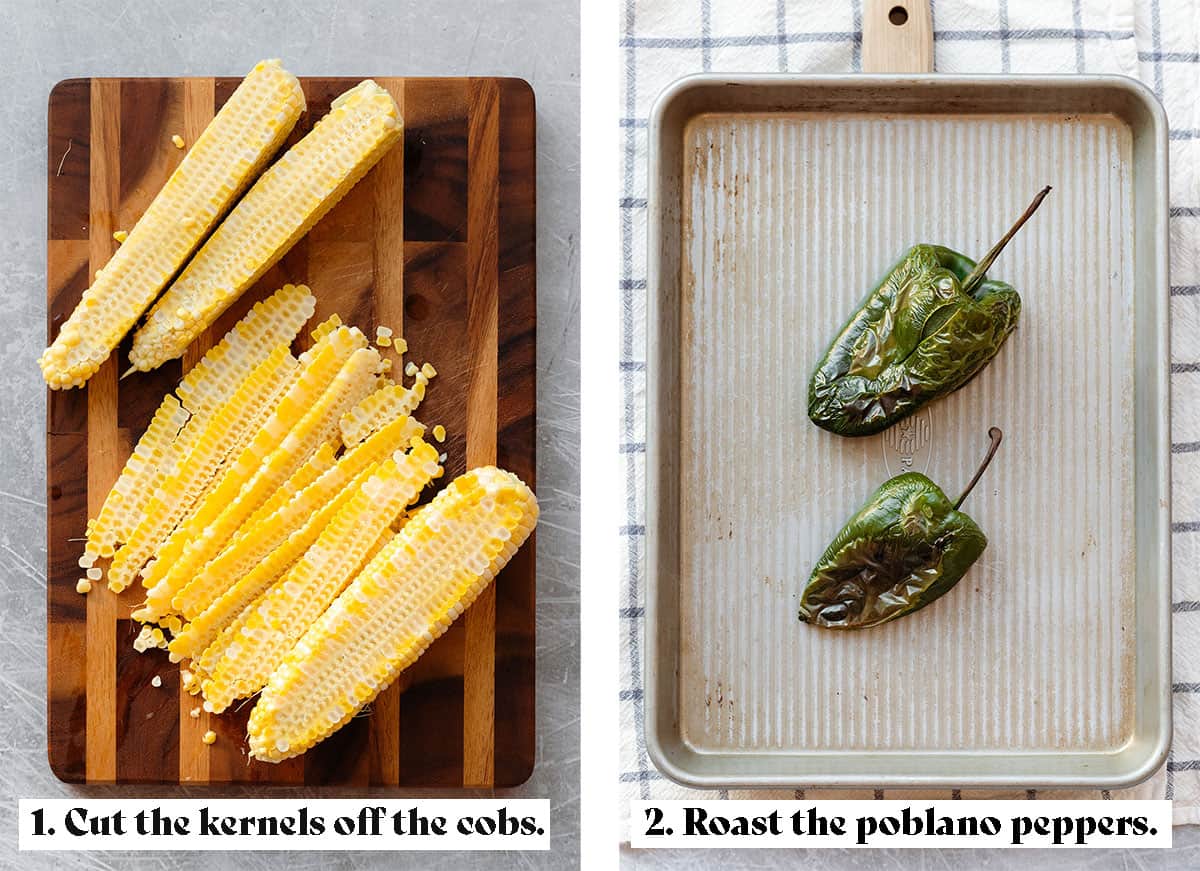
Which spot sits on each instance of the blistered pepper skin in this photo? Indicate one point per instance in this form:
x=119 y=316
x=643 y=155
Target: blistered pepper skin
x=907 y=547
x=916 y=338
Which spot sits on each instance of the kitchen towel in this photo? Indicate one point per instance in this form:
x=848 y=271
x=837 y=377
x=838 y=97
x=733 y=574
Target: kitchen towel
x=1156 y=41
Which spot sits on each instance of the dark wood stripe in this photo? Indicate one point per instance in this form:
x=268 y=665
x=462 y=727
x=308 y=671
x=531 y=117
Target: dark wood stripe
x=68 y=159
x=435 y=160
x=483 y=170
x=66 y=610
x=516 y=426
x=147 y=717
x=431 y=715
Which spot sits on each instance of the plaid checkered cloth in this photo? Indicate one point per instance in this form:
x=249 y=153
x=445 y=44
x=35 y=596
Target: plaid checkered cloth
x=1157 y=41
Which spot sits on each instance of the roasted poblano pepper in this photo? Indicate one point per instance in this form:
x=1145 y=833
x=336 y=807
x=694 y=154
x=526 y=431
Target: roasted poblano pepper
x=905 y=548
x=932 y=324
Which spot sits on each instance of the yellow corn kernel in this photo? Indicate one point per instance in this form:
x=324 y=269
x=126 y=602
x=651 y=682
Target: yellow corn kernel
x=314 y=467
x=427 y=370
x=194 y=713
x=145 y=470
x=210 y=737
x=439 y=433
x=294 y=601
x=383 y=341
x=386 y=404
x=177 y=141
x=229 y=154
x=253 y=480
x=278 y=210
x=326 y=327
x=192 y=475
x=120 y=236
x=427 y=575
x=83 y=586
x=256 y=540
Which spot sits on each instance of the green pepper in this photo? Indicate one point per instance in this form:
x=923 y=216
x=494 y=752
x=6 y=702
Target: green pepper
x=905 y=548
x=932 y=324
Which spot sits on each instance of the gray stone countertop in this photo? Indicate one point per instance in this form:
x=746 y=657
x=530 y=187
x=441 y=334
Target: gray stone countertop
x=42 y=42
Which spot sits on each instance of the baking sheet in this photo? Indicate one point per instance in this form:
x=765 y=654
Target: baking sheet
x=785 y=218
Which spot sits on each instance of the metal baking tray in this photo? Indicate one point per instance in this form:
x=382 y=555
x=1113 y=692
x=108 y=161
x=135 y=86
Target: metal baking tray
x=776 y=203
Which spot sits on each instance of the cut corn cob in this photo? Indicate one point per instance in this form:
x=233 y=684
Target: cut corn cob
x=228 y=155
x=256 y=540
x=326 y=327
x=294 y=601
x=319 y=367
x=283 y=205
x=389 y=615
x=146 y=468
x=316 y=466
x=199 y=638
x=206 y=637
x=295 y=445
x=271 y=322
x=181 y=490
x=388 y=403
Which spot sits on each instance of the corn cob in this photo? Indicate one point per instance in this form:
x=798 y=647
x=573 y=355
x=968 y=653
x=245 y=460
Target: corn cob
x=181 y=490
x=256 y=540
x=228 y=155
x=295 y=445
x=326 y=327
x=319 y=367
x=300 y=596
x=389 y=615
x=146 y=468
x=383 y=405
x=284 y=204
x=316 y=466
x=200 y=635
x=271 y=322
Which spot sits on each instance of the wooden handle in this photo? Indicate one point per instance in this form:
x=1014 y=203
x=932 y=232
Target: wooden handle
x=897 y=36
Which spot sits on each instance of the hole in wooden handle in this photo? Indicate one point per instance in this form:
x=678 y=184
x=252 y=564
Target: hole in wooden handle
x=898 y=15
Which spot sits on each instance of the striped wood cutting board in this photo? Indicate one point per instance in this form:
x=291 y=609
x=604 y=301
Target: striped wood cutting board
x=436 y=242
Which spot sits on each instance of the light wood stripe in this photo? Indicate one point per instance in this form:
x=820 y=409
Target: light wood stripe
x=483 y=170
x=388 y=228
x=194 y=754
x=103 y=443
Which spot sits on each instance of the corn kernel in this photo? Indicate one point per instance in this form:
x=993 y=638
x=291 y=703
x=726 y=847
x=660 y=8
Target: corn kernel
x=194 y=713
x=83 y=585
x=383 y=332
x=439 y=433
x=428 y=371
x=411 y=369
x=210 y=737
x=120 y=236
x=156 y=681
x=178 y=140
x=94 y=574
x=383 y=341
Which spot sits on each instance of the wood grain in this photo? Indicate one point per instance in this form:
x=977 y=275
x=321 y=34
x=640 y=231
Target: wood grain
x=897 y=36
x=436 y=243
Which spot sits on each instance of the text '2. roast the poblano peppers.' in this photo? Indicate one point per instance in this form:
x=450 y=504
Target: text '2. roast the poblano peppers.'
x=932 y=324
x=905 y=548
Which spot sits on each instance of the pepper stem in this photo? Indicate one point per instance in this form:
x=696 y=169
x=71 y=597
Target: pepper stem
x=996 y=436
x=985 y=264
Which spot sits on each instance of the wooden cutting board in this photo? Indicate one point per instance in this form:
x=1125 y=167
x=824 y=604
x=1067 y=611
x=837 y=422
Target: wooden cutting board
x=436 y=242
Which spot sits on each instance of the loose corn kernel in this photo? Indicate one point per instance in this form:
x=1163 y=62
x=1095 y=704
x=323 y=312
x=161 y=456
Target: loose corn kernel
x=383 y=341
x=439 y=433
x=428 y=371
x=194 y=713
x=400 y=345
x=384 y=332
x=410 y=369
x=177 y=140
x=94 y=574
x=120 y=236
x=156 y=681
x=210 y=737
x=83 y=585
